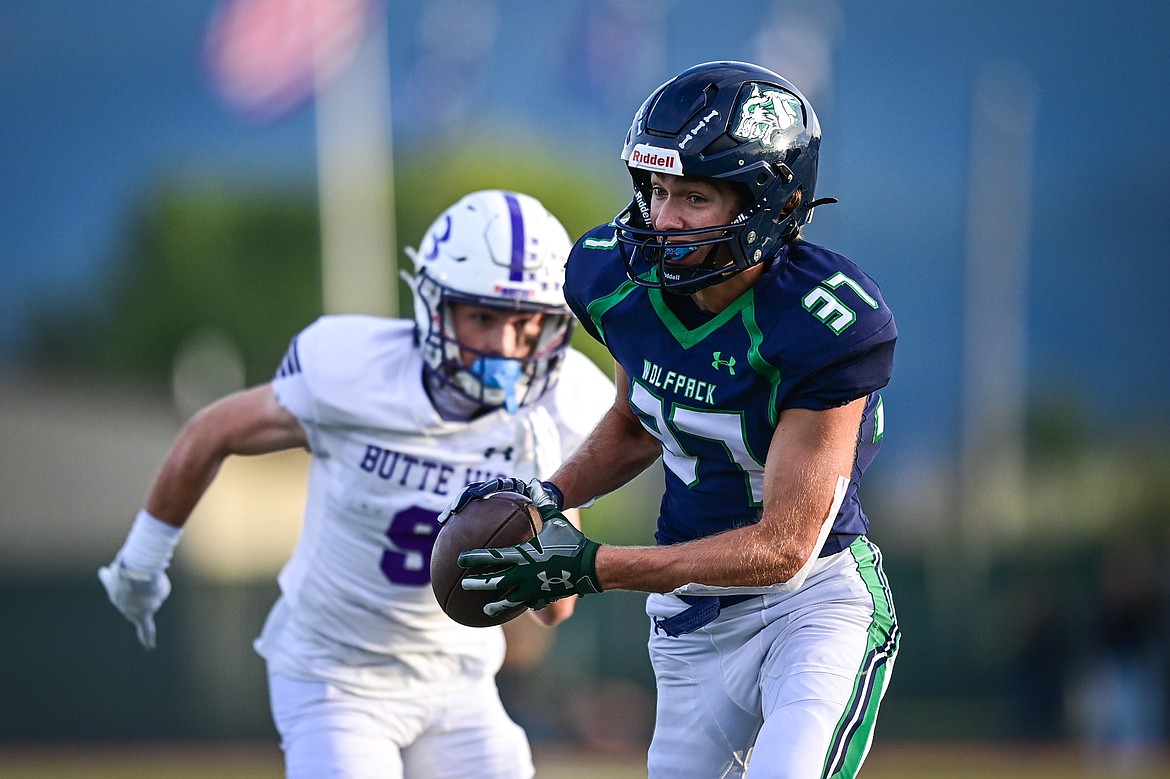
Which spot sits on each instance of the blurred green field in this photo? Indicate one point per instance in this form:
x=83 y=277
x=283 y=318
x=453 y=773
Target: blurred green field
x=246 y=761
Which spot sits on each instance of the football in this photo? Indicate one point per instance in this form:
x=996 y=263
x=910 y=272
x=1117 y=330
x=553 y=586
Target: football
x=500 y=519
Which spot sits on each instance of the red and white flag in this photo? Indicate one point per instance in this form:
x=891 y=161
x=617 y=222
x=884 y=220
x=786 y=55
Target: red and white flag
x=266 y=57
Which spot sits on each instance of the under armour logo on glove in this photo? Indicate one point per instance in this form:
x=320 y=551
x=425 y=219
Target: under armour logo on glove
x=559 y=562
x=551 y=581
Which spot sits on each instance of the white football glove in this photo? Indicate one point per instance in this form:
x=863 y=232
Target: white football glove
x=137 y=594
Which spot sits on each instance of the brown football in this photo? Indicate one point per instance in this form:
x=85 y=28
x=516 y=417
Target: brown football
x=500 y=519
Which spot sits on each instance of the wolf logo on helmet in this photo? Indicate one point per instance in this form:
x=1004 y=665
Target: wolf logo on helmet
x=765 y=115
x=503 y=250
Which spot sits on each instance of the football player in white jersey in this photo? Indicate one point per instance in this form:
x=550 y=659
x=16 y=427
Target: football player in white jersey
x=367 y=676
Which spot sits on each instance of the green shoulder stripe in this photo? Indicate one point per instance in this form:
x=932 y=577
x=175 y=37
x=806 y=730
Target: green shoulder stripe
x=757 y=361
x=600 y=306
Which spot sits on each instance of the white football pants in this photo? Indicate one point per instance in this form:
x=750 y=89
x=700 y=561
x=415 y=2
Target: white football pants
x=784 y=686
x=448 y=731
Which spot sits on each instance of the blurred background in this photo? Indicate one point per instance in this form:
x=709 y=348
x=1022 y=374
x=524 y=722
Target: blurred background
x=185 y=185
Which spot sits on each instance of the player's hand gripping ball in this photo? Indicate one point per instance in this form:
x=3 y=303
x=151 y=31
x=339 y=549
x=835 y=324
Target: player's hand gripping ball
x=499 y=519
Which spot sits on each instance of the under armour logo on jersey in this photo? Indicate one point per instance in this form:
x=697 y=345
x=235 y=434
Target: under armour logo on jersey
x=717 y=363
x=507 y=453
x=548 y=582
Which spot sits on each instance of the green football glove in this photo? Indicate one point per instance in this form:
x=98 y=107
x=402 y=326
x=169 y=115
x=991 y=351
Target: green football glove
x=558 y=563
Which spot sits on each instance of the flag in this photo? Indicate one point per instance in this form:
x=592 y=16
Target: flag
x=266 y=58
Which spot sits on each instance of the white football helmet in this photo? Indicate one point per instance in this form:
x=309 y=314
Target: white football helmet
x=499 y=249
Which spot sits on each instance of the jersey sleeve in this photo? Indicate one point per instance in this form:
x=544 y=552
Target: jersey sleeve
x=336 y=370
x=593 y=273
x=291 y=384
x=854 y=374
x=838 y=332
x=580 y=311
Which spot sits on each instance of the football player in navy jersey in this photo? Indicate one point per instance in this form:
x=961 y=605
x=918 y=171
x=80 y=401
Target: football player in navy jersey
x=750 y=361
x=368 y=678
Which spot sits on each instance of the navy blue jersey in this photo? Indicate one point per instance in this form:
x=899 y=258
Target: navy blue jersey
x=812 y=333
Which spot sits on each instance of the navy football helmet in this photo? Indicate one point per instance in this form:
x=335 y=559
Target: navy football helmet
x=727 y=121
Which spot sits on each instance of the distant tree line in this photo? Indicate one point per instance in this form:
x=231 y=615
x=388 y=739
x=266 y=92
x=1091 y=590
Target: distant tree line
x=242 y=257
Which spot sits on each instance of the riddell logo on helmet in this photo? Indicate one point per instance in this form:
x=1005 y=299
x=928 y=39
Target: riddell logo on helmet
x=653 y=158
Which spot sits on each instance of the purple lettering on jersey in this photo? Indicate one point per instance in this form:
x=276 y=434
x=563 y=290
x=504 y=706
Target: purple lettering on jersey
x=473 y=475
x=370 y=459
x=406 y=458
x=445 y=472
x=384 y=471
x=427 y=467
x=388 y=464
x=412 y=536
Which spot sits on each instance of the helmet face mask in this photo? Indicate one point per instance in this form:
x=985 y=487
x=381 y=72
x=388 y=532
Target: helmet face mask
x=502 y=250
x=729 y=122
x=663 y=250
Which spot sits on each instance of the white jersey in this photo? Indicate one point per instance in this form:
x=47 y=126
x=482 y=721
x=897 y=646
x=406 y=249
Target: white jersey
x=356 y=605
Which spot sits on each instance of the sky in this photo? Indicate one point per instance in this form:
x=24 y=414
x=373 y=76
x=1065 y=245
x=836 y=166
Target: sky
x=101 y=101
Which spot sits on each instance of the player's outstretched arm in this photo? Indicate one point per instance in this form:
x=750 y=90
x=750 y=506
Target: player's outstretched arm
x=810 y=451
x=248 y=422
x=560 y=561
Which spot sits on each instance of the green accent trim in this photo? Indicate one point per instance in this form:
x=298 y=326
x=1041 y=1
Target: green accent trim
x=737 y=416
x=879 y=420
x=757 y=361
x=688 y=338
x=854 y=731
x=599 y=243
x=598 y=308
